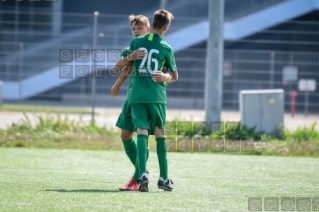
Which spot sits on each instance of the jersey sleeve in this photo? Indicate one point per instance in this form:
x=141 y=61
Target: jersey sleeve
x=170 y=60
x=125 y=52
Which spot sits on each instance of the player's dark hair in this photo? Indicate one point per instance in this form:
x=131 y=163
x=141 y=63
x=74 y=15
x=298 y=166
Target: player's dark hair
x=161 y=18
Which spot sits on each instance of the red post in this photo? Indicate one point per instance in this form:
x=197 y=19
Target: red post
x=293 y=95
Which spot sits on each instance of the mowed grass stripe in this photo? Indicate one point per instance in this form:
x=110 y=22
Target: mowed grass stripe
x=75 y=180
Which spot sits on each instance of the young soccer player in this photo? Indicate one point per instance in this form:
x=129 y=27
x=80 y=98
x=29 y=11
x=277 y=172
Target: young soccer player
x=140 y=26
x=148 y=96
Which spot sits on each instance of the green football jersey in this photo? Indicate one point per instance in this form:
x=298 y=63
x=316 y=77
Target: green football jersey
x=158 y=53
x=124 y=53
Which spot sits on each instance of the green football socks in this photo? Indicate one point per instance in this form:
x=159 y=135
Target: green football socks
x=142 y=153
x=162 y=157
x=130 y=150
x=148 y=151
x=137 y=173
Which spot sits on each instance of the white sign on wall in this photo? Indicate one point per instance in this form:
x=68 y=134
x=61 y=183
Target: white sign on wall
x=307 y=85
x=290 y=73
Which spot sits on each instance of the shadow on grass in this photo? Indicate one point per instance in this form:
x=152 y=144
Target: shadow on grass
x=82 y=190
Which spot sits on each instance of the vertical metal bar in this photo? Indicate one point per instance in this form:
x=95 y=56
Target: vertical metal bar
x=291 y=63
x=31 y=16
x=1 y=94
x=163 y=4
x=214 y=61
x=306 y=102
x=16 y=24
x=272 y=68
x=56 y=18
x=96 y=14
x=7 y=70
x=20 y=69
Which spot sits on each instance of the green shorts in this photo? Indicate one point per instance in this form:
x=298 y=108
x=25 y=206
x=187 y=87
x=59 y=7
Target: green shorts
x=149 y=115
x=124 y=121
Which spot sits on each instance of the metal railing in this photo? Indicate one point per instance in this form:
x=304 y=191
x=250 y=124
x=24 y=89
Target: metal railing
x=255 y=62
x=29 y=34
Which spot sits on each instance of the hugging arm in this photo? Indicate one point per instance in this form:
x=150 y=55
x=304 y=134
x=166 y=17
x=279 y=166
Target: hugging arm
x=116 y=87
x=136 y=55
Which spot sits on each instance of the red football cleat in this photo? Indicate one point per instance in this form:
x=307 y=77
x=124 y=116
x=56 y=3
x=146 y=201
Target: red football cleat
x=132 y=185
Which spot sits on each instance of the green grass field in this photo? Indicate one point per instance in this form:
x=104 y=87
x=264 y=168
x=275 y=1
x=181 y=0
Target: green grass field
x=75 y=180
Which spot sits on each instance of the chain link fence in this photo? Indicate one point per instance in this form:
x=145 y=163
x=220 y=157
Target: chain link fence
x=30 y=44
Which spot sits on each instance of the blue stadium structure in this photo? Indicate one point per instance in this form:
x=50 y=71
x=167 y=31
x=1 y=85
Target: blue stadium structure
x=261 y=38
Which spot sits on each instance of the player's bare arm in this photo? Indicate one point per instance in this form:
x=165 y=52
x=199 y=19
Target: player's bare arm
x=173 y=78
x=136 y=55
x=160 y=76
x=116 y=87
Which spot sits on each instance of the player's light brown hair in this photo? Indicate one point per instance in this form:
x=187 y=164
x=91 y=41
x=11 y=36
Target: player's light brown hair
x=139 y=19
x=161 y=18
